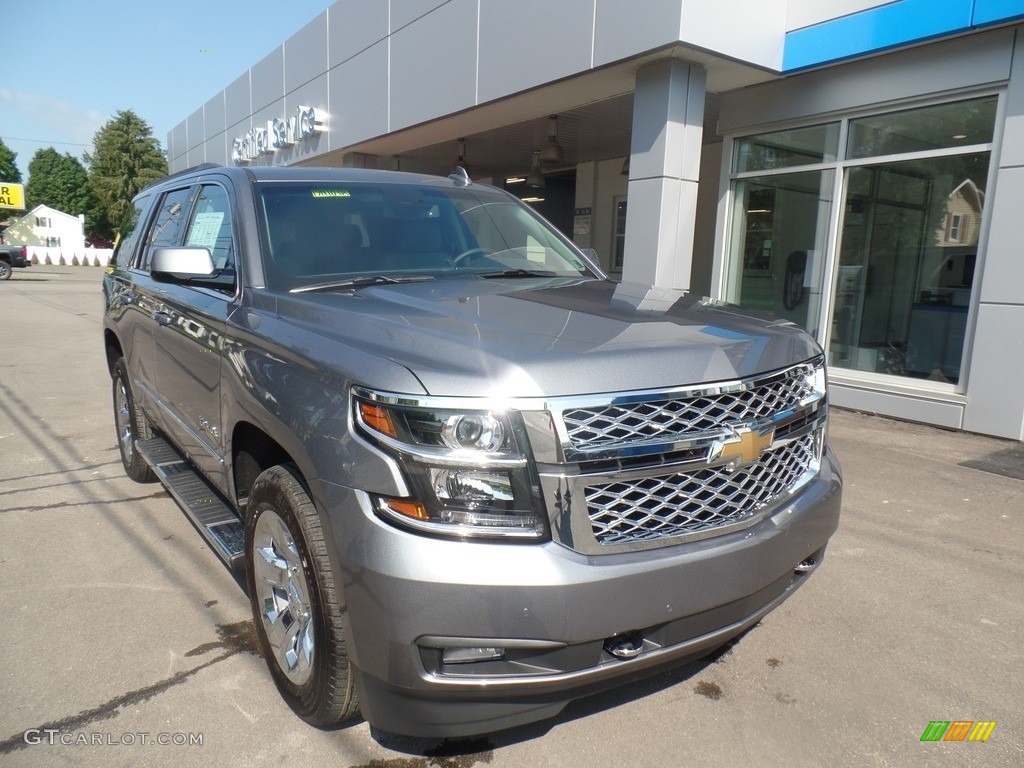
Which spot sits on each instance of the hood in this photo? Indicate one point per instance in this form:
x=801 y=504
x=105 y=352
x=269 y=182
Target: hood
x=540 y=337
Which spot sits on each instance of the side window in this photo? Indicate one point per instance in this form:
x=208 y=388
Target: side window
x=170 y=217
x=210 y=226
x=128 y=233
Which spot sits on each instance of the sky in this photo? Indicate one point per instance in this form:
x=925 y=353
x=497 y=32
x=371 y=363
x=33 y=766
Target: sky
x=68 y=65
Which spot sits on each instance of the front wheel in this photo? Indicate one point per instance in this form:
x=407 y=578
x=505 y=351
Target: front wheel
x=295 y=603
x=131 y=425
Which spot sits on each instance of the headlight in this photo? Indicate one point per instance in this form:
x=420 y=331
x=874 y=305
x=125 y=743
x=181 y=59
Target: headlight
x=478 y=431
x=467 y=468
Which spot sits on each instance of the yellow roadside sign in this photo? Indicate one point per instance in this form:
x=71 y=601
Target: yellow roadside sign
x=12 y=195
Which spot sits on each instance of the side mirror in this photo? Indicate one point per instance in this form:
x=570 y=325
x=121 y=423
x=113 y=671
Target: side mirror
x=191 y=265
x=181 y=264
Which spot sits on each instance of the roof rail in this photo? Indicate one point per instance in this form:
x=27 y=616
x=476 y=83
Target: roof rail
x=200 y=167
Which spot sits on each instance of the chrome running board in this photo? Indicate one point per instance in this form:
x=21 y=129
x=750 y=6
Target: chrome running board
x=212 y=516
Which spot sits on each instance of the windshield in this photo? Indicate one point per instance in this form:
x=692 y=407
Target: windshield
x=324 y=233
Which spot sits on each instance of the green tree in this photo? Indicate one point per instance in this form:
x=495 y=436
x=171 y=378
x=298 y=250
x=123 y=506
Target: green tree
x=61 y=182
x=8 y=168
x=125 y=158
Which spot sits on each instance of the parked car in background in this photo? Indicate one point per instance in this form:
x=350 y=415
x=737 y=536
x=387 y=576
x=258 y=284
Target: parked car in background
x=12 y=257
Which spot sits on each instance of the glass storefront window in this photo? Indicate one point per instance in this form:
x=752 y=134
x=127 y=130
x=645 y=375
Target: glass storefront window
x=958 y=124
x=901 y=250
x=907 y=252
x=786 y=149
x=778 y=242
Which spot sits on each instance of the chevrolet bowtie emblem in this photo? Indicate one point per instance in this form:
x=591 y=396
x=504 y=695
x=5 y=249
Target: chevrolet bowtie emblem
x=744 y=448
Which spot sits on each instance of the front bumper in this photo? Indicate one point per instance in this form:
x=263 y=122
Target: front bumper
x=551 y=610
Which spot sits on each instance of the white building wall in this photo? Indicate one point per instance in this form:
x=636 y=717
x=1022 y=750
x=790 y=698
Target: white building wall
x=373 y=67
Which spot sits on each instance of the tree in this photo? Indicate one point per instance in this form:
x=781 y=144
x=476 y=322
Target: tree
x=8 y=168
x=125 y=158
x=61 y=182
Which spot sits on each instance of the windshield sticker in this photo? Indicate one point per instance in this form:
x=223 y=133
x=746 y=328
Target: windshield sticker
x=331 y=193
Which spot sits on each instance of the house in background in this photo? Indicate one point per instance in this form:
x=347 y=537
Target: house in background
x=962 y=224
x=48 y=228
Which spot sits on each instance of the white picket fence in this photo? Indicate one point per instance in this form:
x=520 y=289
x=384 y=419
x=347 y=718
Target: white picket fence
x=71 y=257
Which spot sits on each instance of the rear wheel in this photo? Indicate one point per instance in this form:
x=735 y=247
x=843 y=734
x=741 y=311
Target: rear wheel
x=5 y=270
x=131 y=425
x=295 y=603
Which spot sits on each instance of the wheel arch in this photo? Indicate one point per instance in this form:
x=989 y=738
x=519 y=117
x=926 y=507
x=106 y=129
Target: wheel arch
x=252 y=452
x=114 y=351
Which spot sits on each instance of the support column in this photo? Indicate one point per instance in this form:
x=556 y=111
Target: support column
x=668 y=124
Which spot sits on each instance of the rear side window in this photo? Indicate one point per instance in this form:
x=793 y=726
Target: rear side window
x=128 y=234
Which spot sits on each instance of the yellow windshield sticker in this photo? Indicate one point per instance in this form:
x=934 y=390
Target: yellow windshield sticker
x=331 y=193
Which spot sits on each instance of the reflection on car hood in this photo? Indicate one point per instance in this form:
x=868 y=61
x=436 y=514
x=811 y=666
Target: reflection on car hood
x=549 y=337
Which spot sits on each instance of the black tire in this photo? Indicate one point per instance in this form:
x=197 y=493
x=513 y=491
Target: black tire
x=303 y=639
x=130 y=424
x=5 y=270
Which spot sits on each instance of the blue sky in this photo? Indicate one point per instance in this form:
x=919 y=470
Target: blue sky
x=68 y=65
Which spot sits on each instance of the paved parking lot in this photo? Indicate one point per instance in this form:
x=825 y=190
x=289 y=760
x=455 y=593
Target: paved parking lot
x=126 y=642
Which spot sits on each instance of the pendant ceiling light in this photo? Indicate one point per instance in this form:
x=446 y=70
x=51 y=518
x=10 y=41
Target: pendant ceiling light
x=535 y=178
x=551 y=152
x=460 y=161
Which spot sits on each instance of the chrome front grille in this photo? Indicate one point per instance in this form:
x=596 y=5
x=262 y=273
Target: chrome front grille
x=704 y=501
x=682 y=416
x=640 y=470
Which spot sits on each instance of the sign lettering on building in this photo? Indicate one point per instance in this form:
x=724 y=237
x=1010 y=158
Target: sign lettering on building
x=277 y=134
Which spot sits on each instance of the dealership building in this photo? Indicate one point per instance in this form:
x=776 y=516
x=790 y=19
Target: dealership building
x=855 y=166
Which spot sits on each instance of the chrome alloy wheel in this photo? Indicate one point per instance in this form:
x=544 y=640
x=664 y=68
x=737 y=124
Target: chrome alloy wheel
x=282 y=594
x=123 y=420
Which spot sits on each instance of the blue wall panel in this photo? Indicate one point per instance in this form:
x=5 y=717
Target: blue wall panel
x=888 y=26
x=994 y=11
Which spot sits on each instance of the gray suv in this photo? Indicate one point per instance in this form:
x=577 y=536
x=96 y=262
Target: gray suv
x=468 y=477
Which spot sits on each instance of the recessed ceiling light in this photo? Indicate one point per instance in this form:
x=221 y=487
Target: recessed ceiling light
x=960 y=136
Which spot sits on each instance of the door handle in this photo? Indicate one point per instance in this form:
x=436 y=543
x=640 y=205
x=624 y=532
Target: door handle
x=163 y=318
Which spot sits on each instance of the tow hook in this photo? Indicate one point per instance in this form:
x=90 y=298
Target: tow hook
x=625 y=646
x=806 y=566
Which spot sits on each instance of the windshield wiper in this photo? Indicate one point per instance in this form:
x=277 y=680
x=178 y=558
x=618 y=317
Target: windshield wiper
x=518 y=273
x=362 y=282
